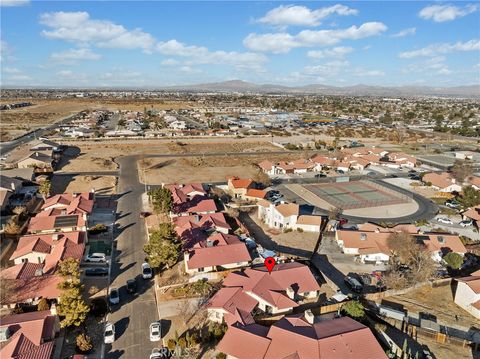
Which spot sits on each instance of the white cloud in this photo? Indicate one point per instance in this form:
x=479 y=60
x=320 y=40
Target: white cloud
x=7 y=3
x=338 y=52
x=368 y=73
x=73 y=55
x=11 y=70
x=405 y=32
x=442 y=13
x=169 y=62
x=199 y=55
x=303 y=16
x=435 y=49
x=432 y=66
x=284 y=42
x=189 y=70
x=328 y=69
x=5 y=51
x=77 y=27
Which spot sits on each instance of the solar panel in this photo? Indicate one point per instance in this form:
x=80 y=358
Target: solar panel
x=66 y=221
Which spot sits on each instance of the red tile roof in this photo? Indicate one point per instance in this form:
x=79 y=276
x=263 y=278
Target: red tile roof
x=257 y=193
x=81 y=203
x=24 y=270
x=218 y=255
x=293 y=337
x=241 y=182
x=23 y=290
x=272 y=287
x=40 y=223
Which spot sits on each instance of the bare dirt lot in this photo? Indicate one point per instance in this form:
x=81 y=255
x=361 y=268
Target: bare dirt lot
x=69 y=184
x=199 y=169
x=437 y=301
x=87 y=159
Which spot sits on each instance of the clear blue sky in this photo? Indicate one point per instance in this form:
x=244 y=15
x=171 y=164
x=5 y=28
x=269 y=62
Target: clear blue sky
x=124 y=43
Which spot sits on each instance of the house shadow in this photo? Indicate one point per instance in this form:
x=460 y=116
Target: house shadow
x=69 y=154
x=60 y=183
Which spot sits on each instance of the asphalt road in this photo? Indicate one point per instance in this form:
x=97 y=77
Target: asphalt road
x=134 y=314
x=6 y=147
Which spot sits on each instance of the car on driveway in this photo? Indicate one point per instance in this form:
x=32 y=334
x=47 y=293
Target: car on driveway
x=96 y=272
x=444 y=220
x=114 y=296
x=452 y=204
x=155 y=332
x=131 y=286
x=466 y=223
x=147 y=272
x=109 y=333
x=162 y=353
x=96 y=258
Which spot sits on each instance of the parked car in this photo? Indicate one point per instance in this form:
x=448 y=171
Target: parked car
x=131 y=286
x=155 y=332
x=444 y=220
x=320 y=175
x=353 y=284
x=415 y=178
x=114 y=296
x=96 y=272
x=452 y=204
x=466 y=223
x=96 y=258
x=147 y=272
x=109 y=333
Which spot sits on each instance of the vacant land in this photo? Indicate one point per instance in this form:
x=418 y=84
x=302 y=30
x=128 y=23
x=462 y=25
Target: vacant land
x=17 y=122
x=437 y=301
x=87 y=159
x=201 y=169
x=69 y=184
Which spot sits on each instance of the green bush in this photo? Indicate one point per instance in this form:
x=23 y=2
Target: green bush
x=454 y=260
x=221 y=356
x=287 y=230
x=98 y=228
x=300 y=230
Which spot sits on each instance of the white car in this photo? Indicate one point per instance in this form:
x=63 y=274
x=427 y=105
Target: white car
x=96 y=258
x=147 y=272
x=114 y=296
x=155 y=332
x=162 y=353
x=444 y=220
x=109 y=333
x=466 y=223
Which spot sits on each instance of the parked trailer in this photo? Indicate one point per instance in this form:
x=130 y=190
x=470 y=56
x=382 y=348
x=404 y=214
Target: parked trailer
x=391 y=313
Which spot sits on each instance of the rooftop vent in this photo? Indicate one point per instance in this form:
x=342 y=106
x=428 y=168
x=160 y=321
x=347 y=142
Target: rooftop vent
x=441 y=239
x=38 y=272
x=209 y=243
x=4 y=334
x=363 y=236
x=56 y=236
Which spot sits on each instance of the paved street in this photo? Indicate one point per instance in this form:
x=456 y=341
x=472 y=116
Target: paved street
x=135 y=312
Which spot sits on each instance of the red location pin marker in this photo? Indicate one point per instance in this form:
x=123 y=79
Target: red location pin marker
x=269 y=263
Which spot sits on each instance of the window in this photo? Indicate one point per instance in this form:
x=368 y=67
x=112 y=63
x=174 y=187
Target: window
x=39 y=259
x=24 y=260
x=201 y=269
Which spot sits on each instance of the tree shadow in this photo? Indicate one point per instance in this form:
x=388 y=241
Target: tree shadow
x=115 y=354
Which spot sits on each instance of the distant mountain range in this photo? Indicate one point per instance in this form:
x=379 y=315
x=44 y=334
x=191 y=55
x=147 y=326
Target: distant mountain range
x=356 y=90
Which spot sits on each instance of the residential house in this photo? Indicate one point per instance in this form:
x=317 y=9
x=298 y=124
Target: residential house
x=218 y=252
x=37 y=160
x=322 y=163
x=238 y=187
x=474 y=181
x=191 y=199
x=69 y=203
x=254 y=194
x=268 y=167
x=274 y=293
x=473 y=213
x=467 y=294
x=402 y=160
x=57 y=223
x=308 y=223
x=49 y=249
x=22 y=174
x=301 y=336
x=443 y=182
x=279 y=216
x=371 y=244
x=29 y=335
x=8 y=187
x=178 y=125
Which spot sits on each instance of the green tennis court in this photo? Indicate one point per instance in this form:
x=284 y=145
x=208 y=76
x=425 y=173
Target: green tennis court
x=356 y=194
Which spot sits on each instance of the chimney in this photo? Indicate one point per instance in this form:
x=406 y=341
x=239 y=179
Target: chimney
x=36 y=154
x=75 y=194
x=290 y=293
x=38 y=272
x=377 y=230
x=309 y=317
x=56 y=236
x=209 y=243
x=53 y=309
x=363 y=236
x=186 y=256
